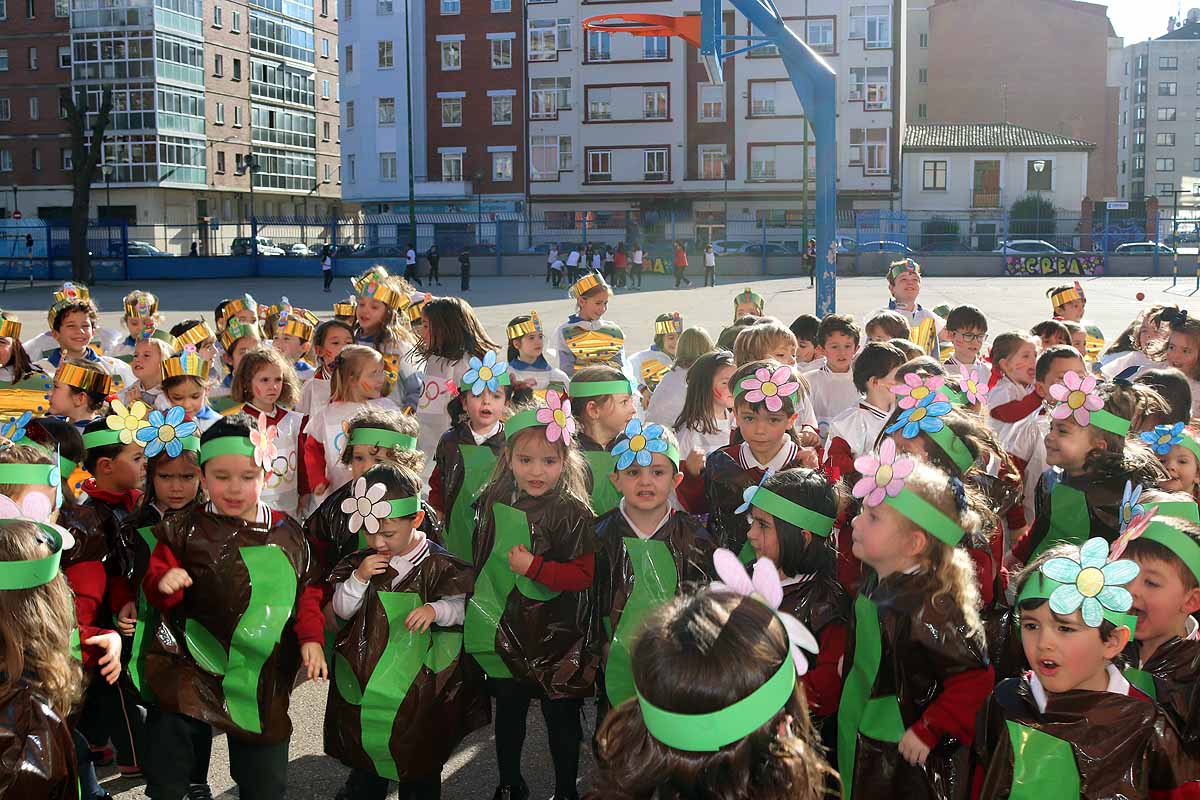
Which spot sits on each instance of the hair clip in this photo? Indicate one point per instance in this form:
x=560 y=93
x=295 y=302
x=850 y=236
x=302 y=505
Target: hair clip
x=1175 y=317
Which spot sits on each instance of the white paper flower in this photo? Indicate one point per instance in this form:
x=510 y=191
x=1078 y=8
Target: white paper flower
x=366 y=506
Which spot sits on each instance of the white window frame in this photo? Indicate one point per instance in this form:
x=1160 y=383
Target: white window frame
x=706 y=109
x=504 y=49
x=386 y=159
x=878 y=154
x=762 y=168
x=656 y=161
x=6 y=161
x=500 y=175
x=383 y=119
x=599 y=158
x=385 y=54
x=655 y=48
x=451 y=158
x=656 y=104
x=498 y=104
x=704 y=153
x=448 y=107
x=762 y=106
x=447 y=48
x=450 y=8
x=599 y=46
x=599 y=104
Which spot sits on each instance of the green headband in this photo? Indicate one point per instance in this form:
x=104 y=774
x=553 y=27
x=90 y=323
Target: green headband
x=920 y=511
x=190 y=443
x=953 y=446
x=1039 y=587
x=96 y=439
x=66 y=467
x=520 y=421
x=1178 y=542
x=1107 y=421
x=796 y=514
x=707 y=733
x=35 y=572
x=404 y=507
x=382 y=437
x=1187 y=510
x=30 y=474
x=599 y=388
x=227 y=446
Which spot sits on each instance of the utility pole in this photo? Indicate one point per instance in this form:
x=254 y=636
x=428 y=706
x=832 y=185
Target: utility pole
x=412 y=197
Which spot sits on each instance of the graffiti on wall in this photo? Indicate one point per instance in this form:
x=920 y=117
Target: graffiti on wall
x=1077 y=265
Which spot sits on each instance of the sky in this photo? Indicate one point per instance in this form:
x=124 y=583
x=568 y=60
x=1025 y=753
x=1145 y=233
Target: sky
x=1138 y=20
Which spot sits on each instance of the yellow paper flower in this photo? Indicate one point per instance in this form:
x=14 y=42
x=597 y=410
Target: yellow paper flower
x=127 y=420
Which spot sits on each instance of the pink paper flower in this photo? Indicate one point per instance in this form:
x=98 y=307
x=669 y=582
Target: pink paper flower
x=915 y=389
x=882 y=477
x=1076 y=397
x=263 y=440
x=973 y=386
x=769 y=387
x=556 y=416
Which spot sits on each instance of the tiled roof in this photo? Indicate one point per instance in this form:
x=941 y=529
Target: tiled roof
x=1001 y=136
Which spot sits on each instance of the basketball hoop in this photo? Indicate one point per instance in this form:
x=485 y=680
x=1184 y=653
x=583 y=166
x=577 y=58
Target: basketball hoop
x=686 y=28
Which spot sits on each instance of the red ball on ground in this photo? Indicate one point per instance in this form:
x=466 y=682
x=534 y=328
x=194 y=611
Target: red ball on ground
x=1141 y=296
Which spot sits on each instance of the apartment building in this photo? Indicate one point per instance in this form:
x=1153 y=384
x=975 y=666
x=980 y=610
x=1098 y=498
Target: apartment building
x=610 y=122
x=1158 y=124
x=196 y=90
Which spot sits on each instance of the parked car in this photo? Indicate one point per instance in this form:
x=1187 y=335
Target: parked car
x=846 y=244
x=772 y=249
x=729 y=246
x=947 y=246
x=482 y=249
x=885 y=246
x=241 y=247
x=316 y=249
x=1143 y=248
x=381 y=251
x=134 y=248
x=1021 y=247
x=296 y=249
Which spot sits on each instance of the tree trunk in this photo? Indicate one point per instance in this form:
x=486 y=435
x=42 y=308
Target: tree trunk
x=85 y=158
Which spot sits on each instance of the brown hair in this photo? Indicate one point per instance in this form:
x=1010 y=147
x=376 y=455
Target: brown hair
x=454 y=330
x=572 y=484
x=175 y=380
x=1126 y=458
x=36 y=625
x=241 y=387
x=693 y=343
x=757 y=341
x=594 y=374
x=87 y=306
x=153 y=464
x=697 y=411
x=892 y=324
x=698 y=654
x=22 y=454
x=1004 y=345
x=388 y=420
x=349 y=364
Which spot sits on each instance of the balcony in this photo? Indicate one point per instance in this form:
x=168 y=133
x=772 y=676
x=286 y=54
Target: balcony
x=443 y=190
x=985 y=200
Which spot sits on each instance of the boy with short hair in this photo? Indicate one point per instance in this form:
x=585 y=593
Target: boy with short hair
x=804 y=328
x=1052 y=364
x=904 y=284
x=80 y=389
x=832 y=385
x=72 y=319
x=1052 y=333
x=853 y=432
x=967 y=328
x=886 y=325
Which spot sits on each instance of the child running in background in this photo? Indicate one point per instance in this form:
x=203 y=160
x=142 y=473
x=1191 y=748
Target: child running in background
x=265 y=387
x=526 y=356
x=602 y=402
x=705 y=424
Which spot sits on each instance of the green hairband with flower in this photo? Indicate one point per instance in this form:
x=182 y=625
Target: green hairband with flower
x=768 y=387
x=780 y=507
x=882 y=481
x=638 y=444
x=1091 y=581
x=367 y=508
x=1078 y=400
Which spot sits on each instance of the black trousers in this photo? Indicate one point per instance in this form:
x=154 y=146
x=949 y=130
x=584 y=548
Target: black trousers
x=410 y=274
x=434 y=275
x=564 y=729
x=556 y=277
x=364 y=785
x=89 y=787
x=710 y=276
x=549 y=272
x=180 y=742
x=465 y=278
x=680 y=276
x=328 y=274
x=111 y=712
x=635 y=274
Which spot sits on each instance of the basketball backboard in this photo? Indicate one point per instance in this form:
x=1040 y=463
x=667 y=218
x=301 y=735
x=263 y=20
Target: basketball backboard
x=712 y=26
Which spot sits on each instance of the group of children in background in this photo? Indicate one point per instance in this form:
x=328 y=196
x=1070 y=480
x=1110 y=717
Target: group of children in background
x=826 y=557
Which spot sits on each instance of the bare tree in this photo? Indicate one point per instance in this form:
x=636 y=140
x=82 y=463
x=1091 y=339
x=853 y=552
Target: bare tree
x=85 y=159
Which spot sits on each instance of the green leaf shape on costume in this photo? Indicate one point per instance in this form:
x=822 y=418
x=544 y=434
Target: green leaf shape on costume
x=881 y=719
x=444 y=650
x=76 y=646
x=478 y=462
x=398 y=666
x=208 y=653
x=655 y=580
x=605 y=496
x=1043 y=765
x=147 y=620
x=345 y=680
x=1142 y=680
x=1069 y=518
x=856 y=691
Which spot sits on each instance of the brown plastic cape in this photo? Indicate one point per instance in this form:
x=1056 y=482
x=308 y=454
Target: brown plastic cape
x=817 y=601
x=91 y=543
x=120 y=561
x=328 y=530
x=37 y=753
x=551 y=646
x=1175 y=670
x=1103 y=504
x=1122 y=746
x=439 y=707
x=921 y=645
x=209 y=547
x=453 y=468
x=724 y=482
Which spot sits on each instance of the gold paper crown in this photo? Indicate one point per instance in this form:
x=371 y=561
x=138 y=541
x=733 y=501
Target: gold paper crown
x=142 y=308
x=301 y=324
x=235 y=330
x=195 y=335
x=382 y=290
x=748 y=295
x=413 y=309
x=586 y=284
x=524 y=328
x=88 y=380
x=1061 y=298
x=186 y=363
x=345 y=309
x=669 y=326
x=10 y=325
x=243 y=303
x=68 y=295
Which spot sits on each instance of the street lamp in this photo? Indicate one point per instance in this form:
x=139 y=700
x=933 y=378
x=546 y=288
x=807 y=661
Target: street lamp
x=107 y=169
x=726 y=162
x=477 y=179
x=250 y=165
x=1039 y=166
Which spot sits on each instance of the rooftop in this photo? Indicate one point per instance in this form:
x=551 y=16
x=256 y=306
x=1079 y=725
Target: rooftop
x=974 y=137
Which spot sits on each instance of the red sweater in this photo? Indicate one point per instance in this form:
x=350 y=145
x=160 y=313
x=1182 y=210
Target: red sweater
x=953 y=712
x=87 y=580
x=563 y=576
x=823 y=681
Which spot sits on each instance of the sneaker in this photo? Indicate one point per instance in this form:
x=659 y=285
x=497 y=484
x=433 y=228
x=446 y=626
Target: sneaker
x=199 y=791
x=506 y=792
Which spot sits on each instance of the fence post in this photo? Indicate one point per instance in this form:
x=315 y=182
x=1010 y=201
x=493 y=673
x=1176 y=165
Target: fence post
x=1104 y=244
x=499 y=248
x=49 y=253
x=253 y=245
x=125 y=248
x=585 y=219
x=762 y=258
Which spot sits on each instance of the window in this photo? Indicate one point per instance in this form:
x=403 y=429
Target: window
x=324 y=48
x=877 y=152
x=328 y=173
x=654 y=48
x=922 y=111
x=1164 y=188
x=64 y=158
x=1195 y=164
x=1164 y=164
x=878 y=89
x=35 y=111
x=325 y=89
x=599 y=104
x=548 y=155
x=451 y=7
x=1168 y=88
x=451 y=55
x=923 y=75
x=220 y=119
x=712 y=162
x=325 y=131
x=547 y=37
x=712 y=102
x=933 y=176
x=237 y=69
x=349 y=58
x=37 y=159
x=655 y=163
x=387 y=111
x=5 y=109
x=820 y=35
x=350 y=114
x=236 y=26
x=64 y=57
x=452 y=166
x=1125 y=116
x=383 y=7
x=385 y=55
x=762 y=99
x=387 y=166
x=30 y=9
x=548 y=96
x=1166 y=115
x=1139 y=140
x=502 y=166
x=1039 y=175
x=237 y=116
x=923 y=42
x=501 y=7
x=351 y=164
x=762 y=163
x=1196 y=140
x=33 y=58
x=1164 y=139
x=221 y=162
x=654 y=104
x=599 y=46
x=502 y=111
x=3 y=9
x=6 y=162
x=502 y=53
x=599 y=167
x=873 y=24
x=452 y=112
x=1168 y=62
x=217 y=16
x=218 y=65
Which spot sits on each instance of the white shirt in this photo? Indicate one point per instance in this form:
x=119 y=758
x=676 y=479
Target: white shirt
x=858 y=427
x=710 y=258
x=1117 y=684
x=573 y=258
x=410 y=257
x=633 y=525
x=556 y=265
x=348 y=596
x=832 y=393
x=785 y=454
x=691 y=439
x=552 y=256
x=480 y=438
x=667 y=401
x=637 y=256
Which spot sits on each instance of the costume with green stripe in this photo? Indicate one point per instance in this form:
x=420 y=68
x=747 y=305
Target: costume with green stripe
x=1074 y=509
x=401 y=701
x=238 y=656
x=464 y=468
x=601 y=464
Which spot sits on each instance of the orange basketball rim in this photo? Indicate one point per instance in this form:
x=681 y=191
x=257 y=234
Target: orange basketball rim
x=686 y=28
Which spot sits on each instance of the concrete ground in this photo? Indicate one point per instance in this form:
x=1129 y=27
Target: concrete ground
x=1008 y=303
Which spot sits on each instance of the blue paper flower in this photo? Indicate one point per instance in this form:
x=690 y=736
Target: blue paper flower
x=1090 y=583
x=1130 y=507
x=924 y=416
x=14 y=429
x=485 y=374
x=1164 y=437
x=166 y=432
x=639 y=444
x=749 y=492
